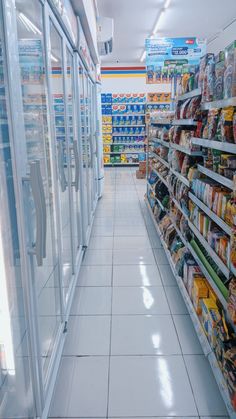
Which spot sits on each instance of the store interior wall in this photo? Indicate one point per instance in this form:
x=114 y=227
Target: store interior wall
x=131 y=84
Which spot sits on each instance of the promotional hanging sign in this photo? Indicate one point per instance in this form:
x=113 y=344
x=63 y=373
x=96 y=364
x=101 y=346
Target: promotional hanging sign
x=164 y=55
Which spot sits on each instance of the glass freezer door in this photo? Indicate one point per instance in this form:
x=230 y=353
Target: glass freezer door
x=39 y=185
x=88 y=147
x=83 y=140
x=16 y=390
x=61 y=113
x=74 y=152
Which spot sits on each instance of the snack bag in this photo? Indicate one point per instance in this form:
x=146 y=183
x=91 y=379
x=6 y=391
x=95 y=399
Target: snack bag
x=230 y=71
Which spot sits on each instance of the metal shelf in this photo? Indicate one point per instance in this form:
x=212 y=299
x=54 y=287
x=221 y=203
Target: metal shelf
x=178 y=206
x=217 y=145
x=183 y=239
x=208 y=276
x=218 y=178
x=221 y=223
x=130 y=125
x=158 y=103
x=181 y=177
x=117 y=134
x=184 y=122
x=123 y=152
x=162 y=142
x=156 y=199
x=224 y=269
x=164 y=162
x=186 y=150
x=121 y=164
x=134 y=143
x=160 y=177
x=128 y=103
x=189 y=95
x=223 y=103
x=128 y=114
x=197 y=324
x=163 y=121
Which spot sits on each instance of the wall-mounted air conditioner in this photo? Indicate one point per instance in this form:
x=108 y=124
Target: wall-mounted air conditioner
x=105 y=35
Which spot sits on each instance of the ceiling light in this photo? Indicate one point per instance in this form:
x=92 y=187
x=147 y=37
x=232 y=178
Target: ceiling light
x=157 y=22
x=28 y=24
x=167 y=3
x=53 y=58
x=143 y=56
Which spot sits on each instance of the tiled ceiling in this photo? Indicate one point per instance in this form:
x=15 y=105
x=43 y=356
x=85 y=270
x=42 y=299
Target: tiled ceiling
x=134 y=20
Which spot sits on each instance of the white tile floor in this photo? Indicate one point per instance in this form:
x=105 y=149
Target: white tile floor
x=131 y=350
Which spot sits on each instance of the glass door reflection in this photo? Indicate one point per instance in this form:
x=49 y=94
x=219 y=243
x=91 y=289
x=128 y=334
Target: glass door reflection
x=39 y=189
x=16 y=390
x=62 y=132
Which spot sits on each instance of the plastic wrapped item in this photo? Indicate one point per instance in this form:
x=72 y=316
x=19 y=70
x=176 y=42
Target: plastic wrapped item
x=209 y=80
x=219 y=76
x=225 y=125
x=230 y=71
x=209 y=131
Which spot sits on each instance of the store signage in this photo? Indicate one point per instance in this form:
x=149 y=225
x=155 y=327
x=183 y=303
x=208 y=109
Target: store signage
x=164 y=54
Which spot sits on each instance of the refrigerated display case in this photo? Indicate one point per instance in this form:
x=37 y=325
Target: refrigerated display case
x=48 y=188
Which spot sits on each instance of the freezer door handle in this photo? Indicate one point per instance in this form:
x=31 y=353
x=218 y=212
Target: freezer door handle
x=60 y=156
x=36 y=182
x=74 y=148
x=91 y=151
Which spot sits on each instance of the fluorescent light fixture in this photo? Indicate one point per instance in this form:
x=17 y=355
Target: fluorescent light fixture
x=157 y=22
x=53 y=58
x=30 y=26
x=167 y=3
x=143 y=56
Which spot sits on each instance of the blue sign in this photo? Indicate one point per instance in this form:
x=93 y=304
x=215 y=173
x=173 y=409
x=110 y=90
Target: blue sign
x=165 y=50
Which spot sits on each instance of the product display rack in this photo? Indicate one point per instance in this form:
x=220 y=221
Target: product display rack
x=198 y=243
x=123 y=129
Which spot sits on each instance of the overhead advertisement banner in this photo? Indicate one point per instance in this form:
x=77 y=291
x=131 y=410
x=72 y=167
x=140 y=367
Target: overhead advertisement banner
x=163 y=55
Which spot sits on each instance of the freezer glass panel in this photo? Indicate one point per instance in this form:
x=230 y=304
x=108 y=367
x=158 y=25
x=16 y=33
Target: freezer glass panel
x=84 y=146
x=88 y=150
x=40 y=225
x=74 y=155
x=16 y=396
x=63 y=153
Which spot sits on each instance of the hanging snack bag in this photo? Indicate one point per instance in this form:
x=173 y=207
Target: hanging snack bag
x=234 y=126
x=227 y=124
x=230 y=71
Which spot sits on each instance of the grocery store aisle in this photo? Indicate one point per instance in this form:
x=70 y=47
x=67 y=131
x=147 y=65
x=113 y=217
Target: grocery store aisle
x=131 y=350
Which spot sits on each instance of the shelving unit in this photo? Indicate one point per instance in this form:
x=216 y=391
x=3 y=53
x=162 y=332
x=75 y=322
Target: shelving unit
x=184 y=122
x=224 y=269
x=190 y=95
x=160 y=159
x=217 y=272
x=162 y=142
x=185 y=150
x=180 y=177
x=218 y=178
x=161 y=177
x=217 y=145
x=216 y=104
x=221 y=223
x=207 y=350
x=128 y=122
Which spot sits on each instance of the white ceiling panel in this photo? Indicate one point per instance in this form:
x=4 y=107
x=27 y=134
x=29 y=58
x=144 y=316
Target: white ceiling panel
x=134 y=21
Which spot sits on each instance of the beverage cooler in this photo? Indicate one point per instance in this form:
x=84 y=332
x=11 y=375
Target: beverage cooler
x=49 y=190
